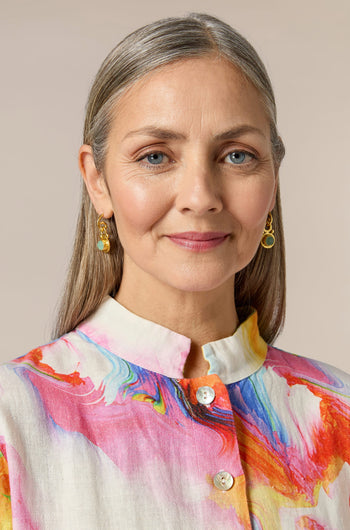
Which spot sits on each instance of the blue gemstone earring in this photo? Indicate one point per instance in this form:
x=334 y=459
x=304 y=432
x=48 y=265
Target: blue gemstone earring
x=103 y=244
x=268 y=239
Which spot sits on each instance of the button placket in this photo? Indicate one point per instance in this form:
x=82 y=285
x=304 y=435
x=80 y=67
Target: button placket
x=222 y=468
x=223 y=480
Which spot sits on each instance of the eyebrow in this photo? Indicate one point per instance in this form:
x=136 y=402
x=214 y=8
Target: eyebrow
x=167 y=134
x=157 y=132
x=238 y=131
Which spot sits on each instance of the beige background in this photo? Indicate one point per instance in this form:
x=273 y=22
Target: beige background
x=49 y=54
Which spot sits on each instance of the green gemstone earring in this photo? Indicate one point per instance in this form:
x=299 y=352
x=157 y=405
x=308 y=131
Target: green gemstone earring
x=103 y=244
x=268 y=239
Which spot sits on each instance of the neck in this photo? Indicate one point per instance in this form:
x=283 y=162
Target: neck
x=201 y=316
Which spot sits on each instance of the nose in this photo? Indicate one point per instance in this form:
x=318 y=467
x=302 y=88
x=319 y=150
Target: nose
x=198 y=190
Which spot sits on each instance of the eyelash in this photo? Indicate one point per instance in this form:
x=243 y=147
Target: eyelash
x=142 y=158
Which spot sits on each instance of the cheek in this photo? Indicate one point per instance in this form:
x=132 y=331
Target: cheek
x=251 y=206
x=137 y=208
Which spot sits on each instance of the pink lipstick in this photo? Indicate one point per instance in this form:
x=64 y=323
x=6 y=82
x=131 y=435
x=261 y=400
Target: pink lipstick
x=198 y=241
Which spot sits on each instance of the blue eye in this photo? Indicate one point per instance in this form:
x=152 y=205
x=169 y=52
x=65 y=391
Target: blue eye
x=238 y=157
x=155 y=158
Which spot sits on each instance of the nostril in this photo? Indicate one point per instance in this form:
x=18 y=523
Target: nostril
x=198 y=194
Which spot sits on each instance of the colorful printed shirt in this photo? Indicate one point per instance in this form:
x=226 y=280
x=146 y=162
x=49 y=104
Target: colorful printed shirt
x=100 y=430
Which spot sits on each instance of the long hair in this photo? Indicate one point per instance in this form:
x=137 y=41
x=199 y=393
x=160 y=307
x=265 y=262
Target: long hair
x=93 y=274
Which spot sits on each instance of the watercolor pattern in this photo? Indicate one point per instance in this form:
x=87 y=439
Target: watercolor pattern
x=91 y=439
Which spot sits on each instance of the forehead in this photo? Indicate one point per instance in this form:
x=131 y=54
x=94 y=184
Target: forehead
x=207 y=91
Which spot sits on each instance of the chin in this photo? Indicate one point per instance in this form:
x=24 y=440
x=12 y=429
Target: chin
x=200 y=283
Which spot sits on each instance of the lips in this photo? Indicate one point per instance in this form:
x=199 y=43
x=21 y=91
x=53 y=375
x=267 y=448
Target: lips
x=199 y=236
x=198 y=241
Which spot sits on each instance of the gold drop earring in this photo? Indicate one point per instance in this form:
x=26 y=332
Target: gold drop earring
x=268 y=239
x=103 y=244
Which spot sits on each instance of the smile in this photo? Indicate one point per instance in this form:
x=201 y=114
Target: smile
x=198 y=241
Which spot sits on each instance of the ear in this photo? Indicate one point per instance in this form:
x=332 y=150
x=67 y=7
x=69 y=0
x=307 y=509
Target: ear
x=94 y=182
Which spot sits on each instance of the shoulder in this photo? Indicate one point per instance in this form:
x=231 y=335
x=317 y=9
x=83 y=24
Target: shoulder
x=49 y=378
x=17 y=377
x=58 y=351
x=319 y=377
x=68 y=360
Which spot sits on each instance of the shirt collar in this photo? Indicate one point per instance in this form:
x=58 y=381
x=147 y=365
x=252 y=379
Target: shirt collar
x=161 y=350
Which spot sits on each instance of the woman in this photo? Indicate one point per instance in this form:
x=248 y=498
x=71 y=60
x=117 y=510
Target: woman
x=160 y=405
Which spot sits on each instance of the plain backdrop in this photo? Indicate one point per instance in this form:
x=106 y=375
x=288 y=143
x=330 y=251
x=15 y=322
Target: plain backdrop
x=50 y=51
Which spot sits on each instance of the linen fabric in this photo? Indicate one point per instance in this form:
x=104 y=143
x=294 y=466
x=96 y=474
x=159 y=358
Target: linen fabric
x=100 y=430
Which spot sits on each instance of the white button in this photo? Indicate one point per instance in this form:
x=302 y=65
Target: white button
x=223 y=480
x=205 y=395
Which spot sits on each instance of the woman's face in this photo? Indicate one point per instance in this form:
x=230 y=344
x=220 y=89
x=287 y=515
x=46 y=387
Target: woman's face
x=190 y=174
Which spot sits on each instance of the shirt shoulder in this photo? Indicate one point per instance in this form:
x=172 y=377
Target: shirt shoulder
x=68 y=360
x=301 y=370
x=60 y=350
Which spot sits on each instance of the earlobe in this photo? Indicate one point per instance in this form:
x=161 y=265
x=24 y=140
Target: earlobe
x=94 y=182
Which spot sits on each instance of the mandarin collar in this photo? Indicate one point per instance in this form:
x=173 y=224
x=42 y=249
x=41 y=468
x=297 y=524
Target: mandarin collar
x=156 y=348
